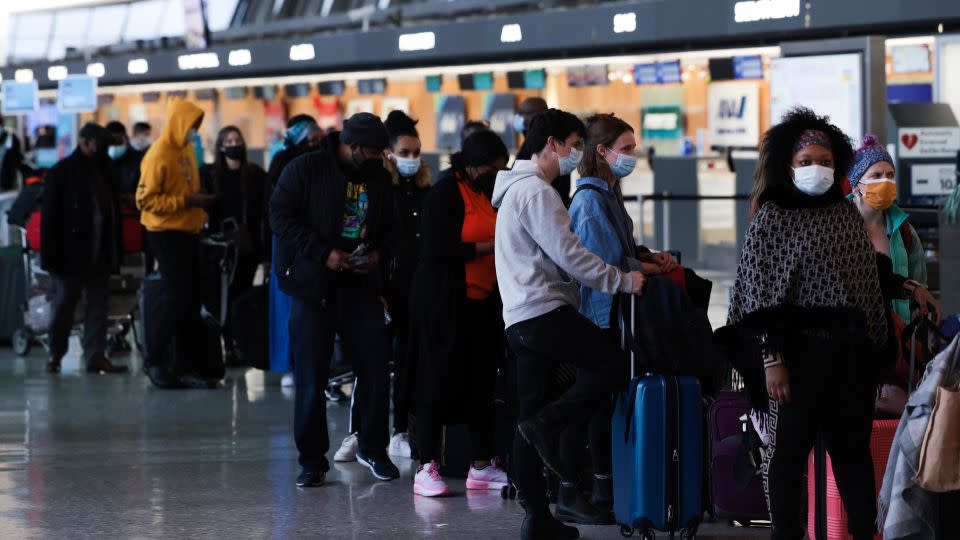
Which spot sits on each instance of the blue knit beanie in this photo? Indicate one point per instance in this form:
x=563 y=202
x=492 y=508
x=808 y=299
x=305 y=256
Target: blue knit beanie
x=870 y=152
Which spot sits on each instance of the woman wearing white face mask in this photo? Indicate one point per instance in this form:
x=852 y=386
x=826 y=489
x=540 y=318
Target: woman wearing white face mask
x=808 y=324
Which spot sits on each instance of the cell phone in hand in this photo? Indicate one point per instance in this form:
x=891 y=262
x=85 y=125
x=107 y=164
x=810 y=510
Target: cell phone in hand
x=359 y=256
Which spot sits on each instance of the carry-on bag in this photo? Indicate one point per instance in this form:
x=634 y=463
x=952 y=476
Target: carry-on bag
x=657 y=439
x=729 y=424
x=827 y=518
x=249 y=319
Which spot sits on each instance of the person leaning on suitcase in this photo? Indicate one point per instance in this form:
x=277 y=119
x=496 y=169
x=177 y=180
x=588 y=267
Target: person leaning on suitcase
x=80 y=246
x=332 y=213
x=535 y=252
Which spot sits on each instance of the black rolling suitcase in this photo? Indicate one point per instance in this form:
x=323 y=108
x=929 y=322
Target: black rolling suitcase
x=249 y=320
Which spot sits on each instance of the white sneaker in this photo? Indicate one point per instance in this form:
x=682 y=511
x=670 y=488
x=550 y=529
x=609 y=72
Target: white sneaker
x=399 y=446
x=428 y=482
x=286 y=381
x=348 y=449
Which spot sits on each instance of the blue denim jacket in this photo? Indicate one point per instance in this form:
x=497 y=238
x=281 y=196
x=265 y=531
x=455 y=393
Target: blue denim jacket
x=605 y=228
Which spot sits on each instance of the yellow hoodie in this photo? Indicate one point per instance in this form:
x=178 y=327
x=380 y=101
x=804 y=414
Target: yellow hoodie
x=169 y=173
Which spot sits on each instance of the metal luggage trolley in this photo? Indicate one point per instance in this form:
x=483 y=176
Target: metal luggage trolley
x=38 y=308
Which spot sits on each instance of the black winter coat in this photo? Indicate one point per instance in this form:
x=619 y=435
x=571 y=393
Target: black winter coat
x=306 y=216
x=251 y=215
x=438 y=294
x=66 y=225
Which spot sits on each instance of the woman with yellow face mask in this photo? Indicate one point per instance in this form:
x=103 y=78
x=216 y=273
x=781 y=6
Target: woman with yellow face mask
x=874 y=191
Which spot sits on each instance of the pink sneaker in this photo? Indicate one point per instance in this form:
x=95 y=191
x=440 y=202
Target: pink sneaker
x=428 y=483
x=490 y=477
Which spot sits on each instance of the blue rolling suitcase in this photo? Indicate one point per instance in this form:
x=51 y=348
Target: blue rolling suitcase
x=658 y=454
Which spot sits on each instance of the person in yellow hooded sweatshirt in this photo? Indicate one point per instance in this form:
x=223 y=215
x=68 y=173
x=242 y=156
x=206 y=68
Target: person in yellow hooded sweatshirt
x=171 y=209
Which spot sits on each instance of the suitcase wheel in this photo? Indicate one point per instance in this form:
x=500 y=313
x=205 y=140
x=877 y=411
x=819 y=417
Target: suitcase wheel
x=688 y=534
x=626 y=531
x=22 y=341
x=508 y=492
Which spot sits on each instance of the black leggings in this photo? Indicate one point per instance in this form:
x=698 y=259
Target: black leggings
x=840 y=407
x=477 y=349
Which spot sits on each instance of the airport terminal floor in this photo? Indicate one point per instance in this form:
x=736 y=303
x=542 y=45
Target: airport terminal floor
x=97 y=456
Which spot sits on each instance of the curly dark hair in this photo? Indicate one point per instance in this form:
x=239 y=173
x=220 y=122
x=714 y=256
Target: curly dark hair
x=398 y=124
x=773 y=179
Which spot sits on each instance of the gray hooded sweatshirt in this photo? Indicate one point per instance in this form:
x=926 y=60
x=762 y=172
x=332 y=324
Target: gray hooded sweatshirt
x=539 y=259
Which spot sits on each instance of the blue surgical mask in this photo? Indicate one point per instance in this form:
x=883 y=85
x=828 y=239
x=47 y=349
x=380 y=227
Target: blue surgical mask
x=518 y=124
x=116 y=151
x=407 y=166
x=569 y=162
x=623 y=166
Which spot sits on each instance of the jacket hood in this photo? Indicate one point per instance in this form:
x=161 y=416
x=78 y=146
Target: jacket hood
x=182 y=115
x=522 y=169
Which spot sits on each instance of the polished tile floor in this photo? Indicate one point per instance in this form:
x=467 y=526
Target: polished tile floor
x=95 y=456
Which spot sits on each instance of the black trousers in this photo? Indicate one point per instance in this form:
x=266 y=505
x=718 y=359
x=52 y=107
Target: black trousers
x=66 y=295
x=476 y=352
x=838 y=407
x=176 y=254
x=594 y=433
x=354 y=311
x=242 y=282
x=562 y=335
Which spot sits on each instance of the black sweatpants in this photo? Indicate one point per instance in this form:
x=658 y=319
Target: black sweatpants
x=826 y=401
x=476 y=348
x=353 y=310
x=177 y=253
x=66 y=295
x=562 y=335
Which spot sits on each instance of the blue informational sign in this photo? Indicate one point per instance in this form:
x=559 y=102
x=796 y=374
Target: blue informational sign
x=77 y=94
x=669 y=72
x=450 y=119
x=748 y=67
x=534 y=79
x=19 y=98
x=910 y=93
x=483 y=81
x=498 y=109
x=645 y=74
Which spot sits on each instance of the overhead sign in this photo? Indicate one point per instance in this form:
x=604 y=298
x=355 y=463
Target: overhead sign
x=733 y=110
x=19 y=97
x=933 y=179
x=748 y=67
x=658 y=73
x=928 y=142
x=765 y=10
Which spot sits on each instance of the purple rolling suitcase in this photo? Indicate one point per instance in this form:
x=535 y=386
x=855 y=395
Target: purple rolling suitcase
x=731 y=500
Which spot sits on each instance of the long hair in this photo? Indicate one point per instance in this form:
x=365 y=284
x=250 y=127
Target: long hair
x=602 y=129
x=772 y=178
x=220 y=166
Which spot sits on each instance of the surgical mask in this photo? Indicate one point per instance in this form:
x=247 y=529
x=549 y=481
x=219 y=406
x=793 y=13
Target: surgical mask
x=116 y=151
x=569 y=162
x=407 y=166
x=234 y=152
x=880 y=195
x=623 y=166
x=518 y=124
x=140 y=144
x=813 y=180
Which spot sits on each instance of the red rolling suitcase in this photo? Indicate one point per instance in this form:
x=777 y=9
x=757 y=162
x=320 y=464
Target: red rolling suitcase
x=833 y=526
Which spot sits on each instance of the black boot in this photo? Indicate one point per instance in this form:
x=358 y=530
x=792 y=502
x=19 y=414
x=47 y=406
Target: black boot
x=572 y=507
x=540 y=525
x=603 y=493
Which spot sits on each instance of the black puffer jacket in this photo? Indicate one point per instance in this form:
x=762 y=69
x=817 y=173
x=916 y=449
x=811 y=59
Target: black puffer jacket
x=306 y=216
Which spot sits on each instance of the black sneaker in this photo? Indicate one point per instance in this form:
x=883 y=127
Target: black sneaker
x=381 y=466
x=199 y=383
x=161 y=379
x=309 y=478
x=546 y=527
x=572 y=507
x=545 y=439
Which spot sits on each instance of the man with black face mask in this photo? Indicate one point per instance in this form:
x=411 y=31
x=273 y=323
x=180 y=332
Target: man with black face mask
x=331 y=216
x=80 y=246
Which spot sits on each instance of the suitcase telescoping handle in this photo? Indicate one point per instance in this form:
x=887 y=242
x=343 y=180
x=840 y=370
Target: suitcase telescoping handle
x=626 y=332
